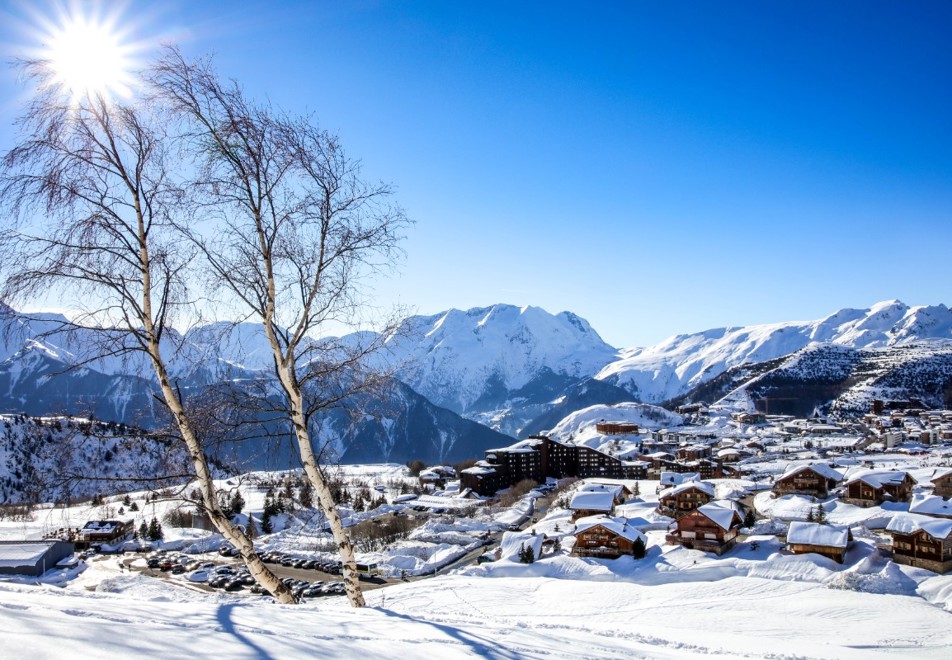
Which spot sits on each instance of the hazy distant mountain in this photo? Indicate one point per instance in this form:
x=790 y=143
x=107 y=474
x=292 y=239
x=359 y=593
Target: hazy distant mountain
x=678 y=364
x=49 y=375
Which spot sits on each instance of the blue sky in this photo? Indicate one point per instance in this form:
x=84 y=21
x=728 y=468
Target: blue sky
x=653 y=167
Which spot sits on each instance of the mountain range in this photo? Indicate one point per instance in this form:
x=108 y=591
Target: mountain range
x=467 y=381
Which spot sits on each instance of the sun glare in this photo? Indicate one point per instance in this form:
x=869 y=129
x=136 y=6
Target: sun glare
x=88 y=54
x=88 y=58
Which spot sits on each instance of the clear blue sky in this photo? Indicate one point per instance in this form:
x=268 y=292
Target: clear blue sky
x=656 y=167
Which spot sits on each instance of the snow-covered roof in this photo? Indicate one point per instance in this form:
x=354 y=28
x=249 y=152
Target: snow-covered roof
x=811 y=533
x=879 y=478
x=592 y=501
x=14 y=555
x=675 y=478
x=905 y=523
x=595 y=487
x=513 y=542
x=822 y=469
x=479 y=469
x=721 y=512
x=930 y=505
x=941 y=472
x=521 y=447
x=617 y=526
x=702 y=486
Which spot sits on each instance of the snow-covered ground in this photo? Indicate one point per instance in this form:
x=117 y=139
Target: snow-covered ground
x=466 y=616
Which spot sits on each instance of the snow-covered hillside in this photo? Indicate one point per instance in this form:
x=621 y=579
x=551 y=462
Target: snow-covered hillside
x=62 y=459
x=666 y=370
x=580 y=425
x=845 y=379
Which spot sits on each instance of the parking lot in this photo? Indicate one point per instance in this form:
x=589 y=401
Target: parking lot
x=223 y=572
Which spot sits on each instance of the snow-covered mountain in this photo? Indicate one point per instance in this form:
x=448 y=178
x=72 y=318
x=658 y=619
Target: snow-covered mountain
x=836 y=377
x=44 y=374
x=500 y=365
x=678 y=364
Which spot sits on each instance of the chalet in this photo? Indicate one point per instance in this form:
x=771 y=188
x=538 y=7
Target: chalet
x=620 y=492
x=688 y=496
x=668 y=479
x=827 y=540
x=32 y=557
x=931 y=505
x=942 y=482
x=873 y=487
x=103 y=531
x=616 y=428
x=814 y=480
x=589 y=503
x=436 y=477
x=693 y=452
x=605 y=537
x=921 y=542
x=712 y=527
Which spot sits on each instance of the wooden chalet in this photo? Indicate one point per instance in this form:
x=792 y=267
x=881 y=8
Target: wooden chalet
x=942 y=483
x=828 y=540
x=693 y=452
x=616 y=428
x=620 y=492
x=605 y=537
x=814 y=480
x=712 y=527
x=96 y=532
x=436 y=477
x=921 y=542
x=592 y=503
x=874 y=487
x=686 y=497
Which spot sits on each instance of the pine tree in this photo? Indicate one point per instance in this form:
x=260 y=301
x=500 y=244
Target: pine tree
x=154 y=531
x=749 y=518
x=237 y=503
x=638 y=549
x=526 y=554
x=810 y=516
x=127 y=501
x=820 y=514
x=143 y=531
x=266 y=525
x=359 y=504
x=306 y=495
x=637 y=491
x=133 y=507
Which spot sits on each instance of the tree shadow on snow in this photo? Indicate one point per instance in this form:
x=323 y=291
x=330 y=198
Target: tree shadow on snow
x=228 y=626
x=481 y=646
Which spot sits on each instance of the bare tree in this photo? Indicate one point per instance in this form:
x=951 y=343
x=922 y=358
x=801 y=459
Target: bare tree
x=294 y=227
x=91 y=204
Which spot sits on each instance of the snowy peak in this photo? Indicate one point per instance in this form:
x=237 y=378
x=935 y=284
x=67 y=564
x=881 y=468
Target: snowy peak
x=676 y=365
x=457 y=357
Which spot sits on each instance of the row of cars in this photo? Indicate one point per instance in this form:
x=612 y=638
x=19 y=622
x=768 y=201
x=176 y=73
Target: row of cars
x=305 y=589
x=331 y=567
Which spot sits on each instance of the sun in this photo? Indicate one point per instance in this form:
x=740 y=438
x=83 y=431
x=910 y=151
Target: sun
x=88 y=58
x=87 y=52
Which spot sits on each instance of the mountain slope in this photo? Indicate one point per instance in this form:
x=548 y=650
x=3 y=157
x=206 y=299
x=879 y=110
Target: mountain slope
x=841 y=378
x=675 y=366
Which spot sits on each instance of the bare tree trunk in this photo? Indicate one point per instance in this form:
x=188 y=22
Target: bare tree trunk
x=262 y=574
x=345 y=547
